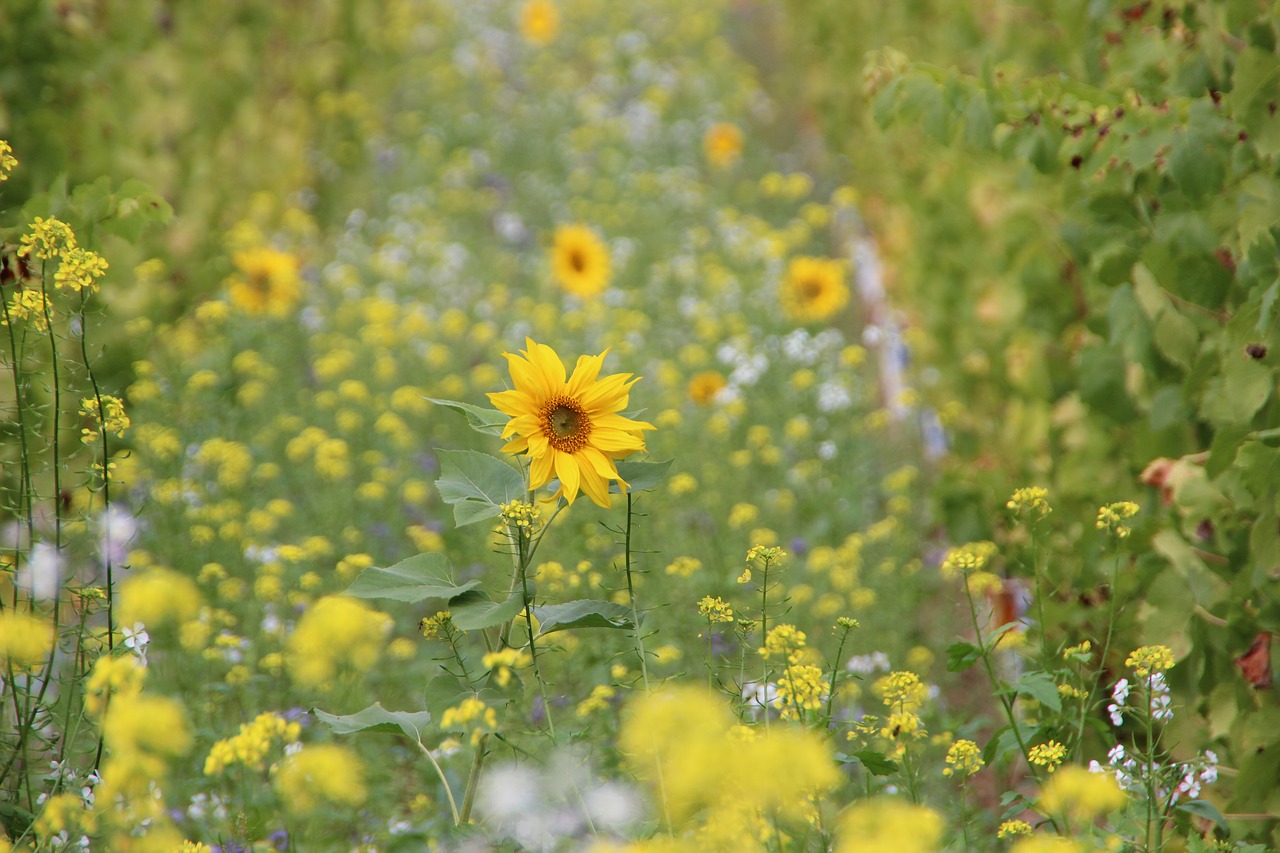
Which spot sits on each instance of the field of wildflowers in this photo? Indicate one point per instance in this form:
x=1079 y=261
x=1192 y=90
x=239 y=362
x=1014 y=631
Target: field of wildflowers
x=544 y=470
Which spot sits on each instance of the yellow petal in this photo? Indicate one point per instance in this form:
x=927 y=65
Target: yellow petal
x=595 y=487
x=585 y=373
x=569 y=473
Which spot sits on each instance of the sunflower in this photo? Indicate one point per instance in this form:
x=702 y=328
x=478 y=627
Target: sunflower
x=703 y=387
x=722 y=144
x=580 y=261
x=539 y=21
x=570 y=429
x=814 y=289
x=266 y=282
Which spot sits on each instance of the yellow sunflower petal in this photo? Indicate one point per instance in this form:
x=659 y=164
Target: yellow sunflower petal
x=568 y=472
x=595 y=487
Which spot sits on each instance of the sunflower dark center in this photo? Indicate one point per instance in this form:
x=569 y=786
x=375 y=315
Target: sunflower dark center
x=565 y=424
x=577 y=260
x=811 y=288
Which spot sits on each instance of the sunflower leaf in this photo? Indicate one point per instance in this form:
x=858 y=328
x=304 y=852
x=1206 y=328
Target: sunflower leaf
x=481 y=419
x=641 y=475
x=473 y=610
x=413 y=579
x=582 y=614
x=477 y=484
x=376 y=718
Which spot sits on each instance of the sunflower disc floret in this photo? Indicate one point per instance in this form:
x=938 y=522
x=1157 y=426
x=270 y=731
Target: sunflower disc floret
x=569 y=426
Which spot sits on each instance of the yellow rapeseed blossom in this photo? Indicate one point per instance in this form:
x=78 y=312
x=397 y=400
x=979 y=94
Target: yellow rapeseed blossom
x=79 y=270
x=266 y=282
x=715 y=609
x=109 y=417
x=801 y=687
x=539 y=22
x=683 y=566
x=502 y=663
x=1013 y=829
x=722 y=144
x=964 y=758
x=335 y=635
x=30 y=305
x=679 y=740
x=146 y=725
x=886 y=825
x=156 y=597
x=112 y=676
x=321 y=777
x=1031 y=502
x=1080 y=794
x=1048 y=755
x=813 y=289
x=783 y=642
x=970 y=557
x=47 y=239
x=470 y=714
x=63 y=812
x=569 y=427
x=1112 y=517
x=599 y=700
x=1148 y=659
x=7 y=161
x=25 y=641
x=250 y=745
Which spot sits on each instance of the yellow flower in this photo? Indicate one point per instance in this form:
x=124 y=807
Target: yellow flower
x=7 y=161
x=158 y=596
x=1013 y=828
x=580 y=261
x=570 y=428
x=320 y=776
x=1112 y=517
x=1148 y=659
x=80 y=269
x=715 y=609
x=335 y=634
x=1032 y=501
x=888 y=826
x=1047 y=755
x=539 y=21
x=963 y=759
x=25 y=641
x=30 y=305
x=1077 y=792
x=266 y=282
x=813 y=289
x=722 y=144
x=703 y=387
x=48 y=239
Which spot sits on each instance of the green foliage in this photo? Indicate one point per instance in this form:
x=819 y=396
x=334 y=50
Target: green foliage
x=1079 y=212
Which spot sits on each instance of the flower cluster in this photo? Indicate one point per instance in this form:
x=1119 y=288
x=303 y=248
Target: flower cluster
x=964 y=759
x=1031 y=502
x=1112 y=517
x=1047 y=755
x=715 y=609
x=107 y=416
x=249 y=746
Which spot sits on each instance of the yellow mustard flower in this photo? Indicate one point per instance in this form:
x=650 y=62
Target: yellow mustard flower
x=539 y=22
x=722 y=144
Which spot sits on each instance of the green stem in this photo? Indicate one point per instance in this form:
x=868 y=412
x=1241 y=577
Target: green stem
x=835 y=673
x=637 y=636
x=473 y=779
x=448 y=791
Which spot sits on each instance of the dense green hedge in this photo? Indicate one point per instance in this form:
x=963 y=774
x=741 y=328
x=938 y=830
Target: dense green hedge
x=1080 y=212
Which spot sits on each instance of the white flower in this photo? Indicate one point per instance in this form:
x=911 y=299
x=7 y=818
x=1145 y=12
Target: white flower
x=136 y=640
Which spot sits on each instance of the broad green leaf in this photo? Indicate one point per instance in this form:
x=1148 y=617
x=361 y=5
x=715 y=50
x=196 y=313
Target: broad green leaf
x=1176 y=337
x=582 y=614
x=641 y=475
x=1234 y=397
x=482 y=420
x=1206 y=810
x=1041 y=687
x=443 y=692
x=1205 y=587
x=376 y=718
x=476 y=484
x=413 y=579
x=961 y=656
x=473 y=610
x=877 y=763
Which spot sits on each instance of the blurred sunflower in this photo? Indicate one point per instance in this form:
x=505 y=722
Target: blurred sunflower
x=813 y=289
x=539 y=21
x=703 y=387
x=580 y=261
x=722 y=144
x=570 y=428
x=266 y=281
